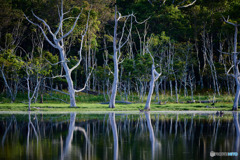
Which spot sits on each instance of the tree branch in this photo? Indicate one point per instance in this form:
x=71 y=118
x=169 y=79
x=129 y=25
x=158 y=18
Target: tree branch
x=85 y=85
x=40 y=19
x=71 y=28
x=80 y=50
x=226 y=20
x=44 y=34
x=188 y=5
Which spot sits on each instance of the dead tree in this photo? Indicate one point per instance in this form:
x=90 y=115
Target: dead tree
x=235 y=66
x=154 y=77
x=12 y=45
x=208 y=54
x=28 y=71
x=117 y=45
x=58 y=42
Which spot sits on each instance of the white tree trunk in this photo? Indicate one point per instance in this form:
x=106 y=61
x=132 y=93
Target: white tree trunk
x=236 y=70
x=71 y=89
x=58 y=43
x=115 y=60
x=147 y=106
x=117 y=45
x=155 y=75
x=176 y=88
x=236 y=74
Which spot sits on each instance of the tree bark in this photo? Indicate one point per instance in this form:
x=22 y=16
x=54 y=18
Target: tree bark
x=147 y=106
x=115 y=61
x=155 y=75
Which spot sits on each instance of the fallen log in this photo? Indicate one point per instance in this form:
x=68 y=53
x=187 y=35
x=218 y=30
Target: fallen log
x=204 y=102
x=122 y=102
x=89 y=92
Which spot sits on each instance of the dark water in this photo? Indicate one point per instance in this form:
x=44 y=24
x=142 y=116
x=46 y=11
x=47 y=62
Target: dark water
x=118 y=136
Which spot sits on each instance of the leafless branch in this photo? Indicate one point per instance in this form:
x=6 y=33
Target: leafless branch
x=85 y=85
x=70 y=31
x=41 y=30
x=40 y=19
x=80 y=50
x=188 y=5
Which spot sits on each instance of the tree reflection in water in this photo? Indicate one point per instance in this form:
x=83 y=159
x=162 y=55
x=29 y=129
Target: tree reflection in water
x=237 y=141
x=31 y=128
x=156 y=145
x=117 y=136
x=68 y=143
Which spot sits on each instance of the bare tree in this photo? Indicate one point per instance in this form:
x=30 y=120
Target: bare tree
x=155 y=75
x=12 y=45
x=208 y=54
x=29 y=70
x=235 y=66
x=58 y=42
x=117 y=45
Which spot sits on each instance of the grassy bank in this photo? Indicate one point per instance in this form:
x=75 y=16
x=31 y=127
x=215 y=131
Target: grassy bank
x=87 y=98
x=119 y=107
x=86 y=102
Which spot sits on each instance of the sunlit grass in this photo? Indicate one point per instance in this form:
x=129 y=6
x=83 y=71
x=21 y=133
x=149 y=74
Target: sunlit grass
x=119 y=107
x=86 y=102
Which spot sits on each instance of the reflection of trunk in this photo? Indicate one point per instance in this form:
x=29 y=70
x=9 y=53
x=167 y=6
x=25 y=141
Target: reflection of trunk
x=236 y=123
x=170 y=130
x=6 y=131
x=216 y=132
x=115 y=135
x=69 y=138
x=28 y=134
x=150 y=129
x=190 y=129
x=237 y=126
x=154 y=142
x=70 y=133
x=176 y=125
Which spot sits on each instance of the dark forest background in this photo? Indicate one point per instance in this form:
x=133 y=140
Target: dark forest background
x=190 y=47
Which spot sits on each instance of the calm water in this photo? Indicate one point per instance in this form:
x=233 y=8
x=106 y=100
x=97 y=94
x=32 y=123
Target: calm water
x=118 y=136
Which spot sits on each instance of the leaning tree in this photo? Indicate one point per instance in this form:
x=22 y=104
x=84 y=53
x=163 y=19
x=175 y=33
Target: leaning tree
x=57 y=41
x=154 y=77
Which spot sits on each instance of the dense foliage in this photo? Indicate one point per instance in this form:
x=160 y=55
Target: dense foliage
x=187 y=43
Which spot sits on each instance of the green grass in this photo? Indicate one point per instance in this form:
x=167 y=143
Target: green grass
x=82 y=107
x=87 y=102
x=86 y=98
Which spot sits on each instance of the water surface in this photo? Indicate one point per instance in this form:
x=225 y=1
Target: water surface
x=118 y=135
